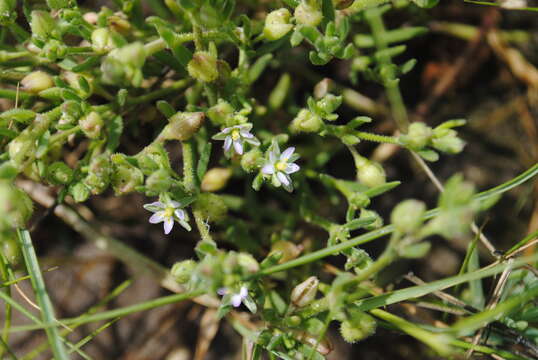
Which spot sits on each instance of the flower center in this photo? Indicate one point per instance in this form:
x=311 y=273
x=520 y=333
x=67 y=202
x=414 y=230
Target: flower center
x=235 y=135
x=281 y=165
x=169 y=212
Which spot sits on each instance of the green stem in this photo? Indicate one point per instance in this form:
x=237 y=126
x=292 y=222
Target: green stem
x=160 y=93
x=14 y=94
x=377 y=138
x=4 y=272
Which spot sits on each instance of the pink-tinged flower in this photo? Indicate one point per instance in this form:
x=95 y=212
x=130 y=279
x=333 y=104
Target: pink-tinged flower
x=237 y=298
x=167 y=214
x=235 y=137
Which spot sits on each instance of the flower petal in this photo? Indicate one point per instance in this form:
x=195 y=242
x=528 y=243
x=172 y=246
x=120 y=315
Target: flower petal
x=227 y=143
x=219 y=136
x=175 y=204
x=180 y=214
x=154 y=206
x=287 y=153
x=244 y=127
x=185 y=225
x=227 y=130
x=168 y=225
x=243 y=292
x=268 y=169
x=236 y=300
x=283 y=178
x=238 y=146
x=253 y=141
x=157 y=217
x=291 y=168
x=246 y=134
x=273 y=156
x=222 y=291
x=289 y=187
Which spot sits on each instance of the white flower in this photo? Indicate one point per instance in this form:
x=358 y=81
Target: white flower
x=235 y=299
x=235 y=136
x=168 y=213
x=280 y=166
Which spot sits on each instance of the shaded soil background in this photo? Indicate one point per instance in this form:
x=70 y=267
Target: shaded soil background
x=491 y=83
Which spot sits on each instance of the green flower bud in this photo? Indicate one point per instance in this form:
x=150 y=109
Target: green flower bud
x=16 y=207
x=82 y=84
x=8 y=13
x=79 y=192
x=248 y=264
x=378 y=222
x=58 y=173
x=158 y=182
x=447 y=141
x=304 y=293
x=182 y=271
x=203 y=67
x=124 y=65
x=307 y=14
x=418 y=136
x=342 y=4
x=407 y=215
x=371 y=173
x=358 y=200
x=37 y=81
x=60 y=4
x=211 y=207
x=99 y=174
x=306 y=121
x=151 y=158
x=277 y=24
x=220 y=113
x=329 y=103
x=323 y=87
x=182 y=126
x=125 y=177
x=358 y=327
x=251 y=160
x=43 y=25
x=91 y=125
x=20 y=149
x=288 y=250
x=415 y=251
x=10 y=248
x=216 y=179
x=102 y=40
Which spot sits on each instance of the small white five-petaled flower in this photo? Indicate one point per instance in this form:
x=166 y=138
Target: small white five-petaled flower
x=280 y=166
x=236 y=136
x=168 y=213
x=235 y=299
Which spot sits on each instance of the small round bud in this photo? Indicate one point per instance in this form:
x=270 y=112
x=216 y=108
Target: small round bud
x=304 y=293
x=9 y=246
x=376 y=224
x=307 y=14
x=119 y=23
x=358 y=200
x=91 y=125
x=248 y=264
x=43 y=25
x=219 y=113
x=415 y=251
x=288 y=250
x=371 y=173
x=79 y=192
x=203 y=67
x=182 y=271
x=158 y=182
x=323 y=87
x=182 y=126
x=8 y=13
x=358 y=327
x=19 y=149
x=216 y=179
x=102 y=41
x=447 y=141
x=37 y=81
x=251 y=160
x=58 y=173
x=407 y=215
x=100 y=171
x=126 y=178
x=329 y=103
x=277 y=24
x=16 y=207
x=211 y=207
x=60 y=4
x=418 y=136
x=306 y=121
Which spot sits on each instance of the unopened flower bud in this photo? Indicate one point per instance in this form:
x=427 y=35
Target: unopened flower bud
x=203 y=67
x=306 y=121
x=371 y=173
x=102 y=41
x=9 y=246
x=159 y=182
x=323 y=87
x=119 y=23
x=378 y=220
x=215 y=179
x=307 y=14
x=43 y=25
x=16 y=207
x=447 y=141
x=20 y=148
x=248 y=263
x=415 y=251
x=182 y=126
x=251 y=160
x=418 y=136
x=182 y=271
x=91 y=125
x=342 y=4
x=58 y=173
x=211 y=207
x=288 y=250
x=329 y=103
x=125 y=177
x=100 y=171
x=82 y=84
x=358 y=200
x=124 y=65
x=407 y=215
x=79 y=192
x=37 y=81
x=219 y=113
x=277 y=24
x=8 y=13
x=304 y=293
x=358 y=327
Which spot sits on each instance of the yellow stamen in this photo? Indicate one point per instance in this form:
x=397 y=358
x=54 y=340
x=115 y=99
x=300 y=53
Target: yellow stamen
x=235 y=135
x=169 y=212
x=281 y=165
